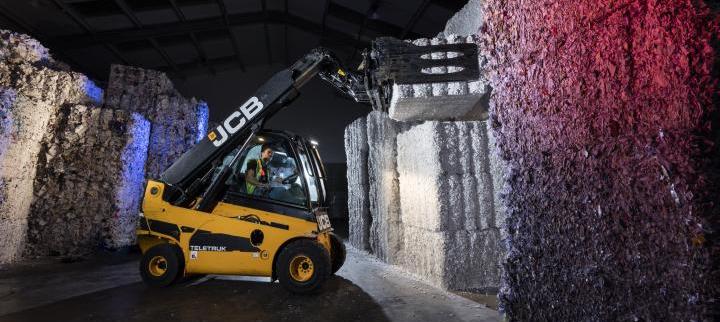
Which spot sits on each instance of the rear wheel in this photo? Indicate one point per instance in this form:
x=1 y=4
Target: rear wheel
x=303 y=266
x=338 y=252
x=160 y=266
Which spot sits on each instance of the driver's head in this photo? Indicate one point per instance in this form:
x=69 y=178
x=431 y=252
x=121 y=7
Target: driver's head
x=266 y=152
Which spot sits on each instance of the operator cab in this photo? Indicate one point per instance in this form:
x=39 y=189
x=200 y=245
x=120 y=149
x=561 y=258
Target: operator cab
x=295 y=175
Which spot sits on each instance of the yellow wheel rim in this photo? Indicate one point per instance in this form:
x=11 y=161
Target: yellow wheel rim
x=301 y=268
x=157 y=266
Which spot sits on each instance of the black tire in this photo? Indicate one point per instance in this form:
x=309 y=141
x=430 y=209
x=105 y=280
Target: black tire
x=160 y=266
x=338 y=252
x=310 y=278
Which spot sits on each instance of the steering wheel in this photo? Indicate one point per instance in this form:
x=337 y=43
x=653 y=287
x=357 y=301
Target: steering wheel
x=290 y=179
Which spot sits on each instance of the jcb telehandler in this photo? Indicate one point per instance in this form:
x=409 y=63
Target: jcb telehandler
x=203 y=217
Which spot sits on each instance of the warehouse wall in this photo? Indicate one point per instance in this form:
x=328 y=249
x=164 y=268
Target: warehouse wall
x=602 y=112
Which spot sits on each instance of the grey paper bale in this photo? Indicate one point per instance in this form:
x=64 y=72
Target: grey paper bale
x=356 y=150
x=89 y=181
x=16 y=48
x=384 y=191
x=177 y=122
x=33 y=91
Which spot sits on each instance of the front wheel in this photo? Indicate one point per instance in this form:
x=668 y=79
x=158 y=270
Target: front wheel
x=303 y=266
x=160 y=266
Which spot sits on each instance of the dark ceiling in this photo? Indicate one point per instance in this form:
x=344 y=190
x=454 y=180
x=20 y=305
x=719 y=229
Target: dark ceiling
x=201 y=37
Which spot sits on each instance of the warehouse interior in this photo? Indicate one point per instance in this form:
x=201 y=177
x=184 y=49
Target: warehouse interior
x=554 y=160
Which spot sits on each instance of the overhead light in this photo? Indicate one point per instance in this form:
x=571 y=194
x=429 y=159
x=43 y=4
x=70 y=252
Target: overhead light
x=313 y=142
x=261 y=139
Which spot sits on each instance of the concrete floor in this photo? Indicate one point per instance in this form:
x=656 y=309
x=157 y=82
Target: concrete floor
x=109 y=289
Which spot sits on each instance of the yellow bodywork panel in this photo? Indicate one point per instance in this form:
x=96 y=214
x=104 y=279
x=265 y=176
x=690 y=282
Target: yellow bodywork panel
x=146 y=240
x=255 y=259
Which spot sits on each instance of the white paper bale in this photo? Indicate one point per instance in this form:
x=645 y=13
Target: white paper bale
x=467 y=21
x=445 y=183
x=457 y=260
x=446 y=193
x=49 y=86
x=466 y=100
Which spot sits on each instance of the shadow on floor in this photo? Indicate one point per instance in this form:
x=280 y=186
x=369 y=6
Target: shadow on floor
x=212 y=300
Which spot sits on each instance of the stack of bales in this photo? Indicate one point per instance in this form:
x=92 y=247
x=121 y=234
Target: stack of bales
x=33 y=88
x=71 y=168
x=432 y=189
x=177 y=123
x=451 y=236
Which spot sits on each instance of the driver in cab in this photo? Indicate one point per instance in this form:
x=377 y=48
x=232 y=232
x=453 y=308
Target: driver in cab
x=256 y=173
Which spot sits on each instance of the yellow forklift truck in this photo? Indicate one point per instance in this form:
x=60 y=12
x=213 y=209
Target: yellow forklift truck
x=202 y=216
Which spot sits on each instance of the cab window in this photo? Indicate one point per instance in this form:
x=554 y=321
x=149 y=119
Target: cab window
x=271 y=175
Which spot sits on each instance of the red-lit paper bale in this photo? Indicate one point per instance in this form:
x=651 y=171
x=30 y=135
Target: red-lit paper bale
x=602 y=112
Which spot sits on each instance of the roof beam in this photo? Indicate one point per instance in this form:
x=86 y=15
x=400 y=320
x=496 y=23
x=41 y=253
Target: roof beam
x=379 y=27
x=84 y=25
x=7 y=16
x=287 y=49
x=177 y=10
x=163 y=54
x=134 y=19
x=373 y=7
x=201 y=53
x=204 y=25
x=414 y=19
x=266 y=16
x=225 y=63
x=128 y=13
x=324 y=19
x=233 y=40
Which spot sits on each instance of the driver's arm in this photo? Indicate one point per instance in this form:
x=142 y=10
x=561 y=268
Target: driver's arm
x=250 y=178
